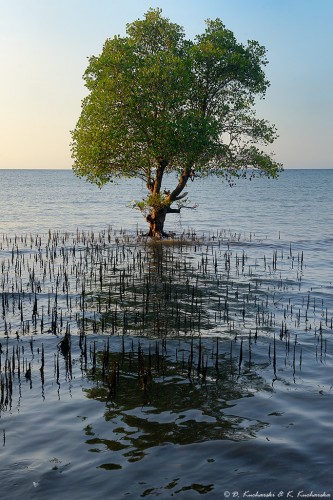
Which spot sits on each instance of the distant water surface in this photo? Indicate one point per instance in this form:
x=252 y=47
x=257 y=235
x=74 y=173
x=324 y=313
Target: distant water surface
x=298 y=204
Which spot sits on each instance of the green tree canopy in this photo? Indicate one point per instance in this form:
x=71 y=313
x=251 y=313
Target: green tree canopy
x=159 y=103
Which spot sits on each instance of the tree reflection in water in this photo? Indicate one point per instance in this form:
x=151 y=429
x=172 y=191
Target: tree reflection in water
x=159 y=393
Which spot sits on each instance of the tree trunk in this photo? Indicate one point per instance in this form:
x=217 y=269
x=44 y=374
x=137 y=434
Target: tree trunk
x=157 y=216
x=156 y=223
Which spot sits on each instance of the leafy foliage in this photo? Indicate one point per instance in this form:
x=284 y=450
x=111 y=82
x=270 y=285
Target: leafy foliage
x=160 y=103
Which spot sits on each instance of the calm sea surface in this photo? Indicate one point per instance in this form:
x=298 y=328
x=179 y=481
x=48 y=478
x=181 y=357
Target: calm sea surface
x=201 y=366
x=299 y=204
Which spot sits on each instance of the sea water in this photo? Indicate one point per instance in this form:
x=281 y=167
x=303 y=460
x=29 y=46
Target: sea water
x=259 y=425
x=298 y=204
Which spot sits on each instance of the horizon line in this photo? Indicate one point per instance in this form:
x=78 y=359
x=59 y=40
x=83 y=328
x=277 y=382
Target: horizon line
x=70 y=169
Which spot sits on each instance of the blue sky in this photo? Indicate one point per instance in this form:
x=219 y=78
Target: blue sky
x=44 y=45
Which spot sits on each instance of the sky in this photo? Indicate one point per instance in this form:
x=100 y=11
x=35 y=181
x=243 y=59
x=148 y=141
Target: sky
x=45 y=45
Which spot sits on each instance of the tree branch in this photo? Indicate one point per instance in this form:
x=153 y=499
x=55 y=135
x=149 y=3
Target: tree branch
x=159 y=175
x=181 y=196
x=181 y=184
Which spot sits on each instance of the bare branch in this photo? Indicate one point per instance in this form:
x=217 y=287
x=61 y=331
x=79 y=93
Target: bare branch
x=181 y=196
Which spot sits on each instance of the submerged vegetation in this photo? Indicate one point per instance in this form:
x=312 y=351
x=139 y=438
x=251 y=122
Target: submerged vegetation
x=115 y=285
x=165 y=336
